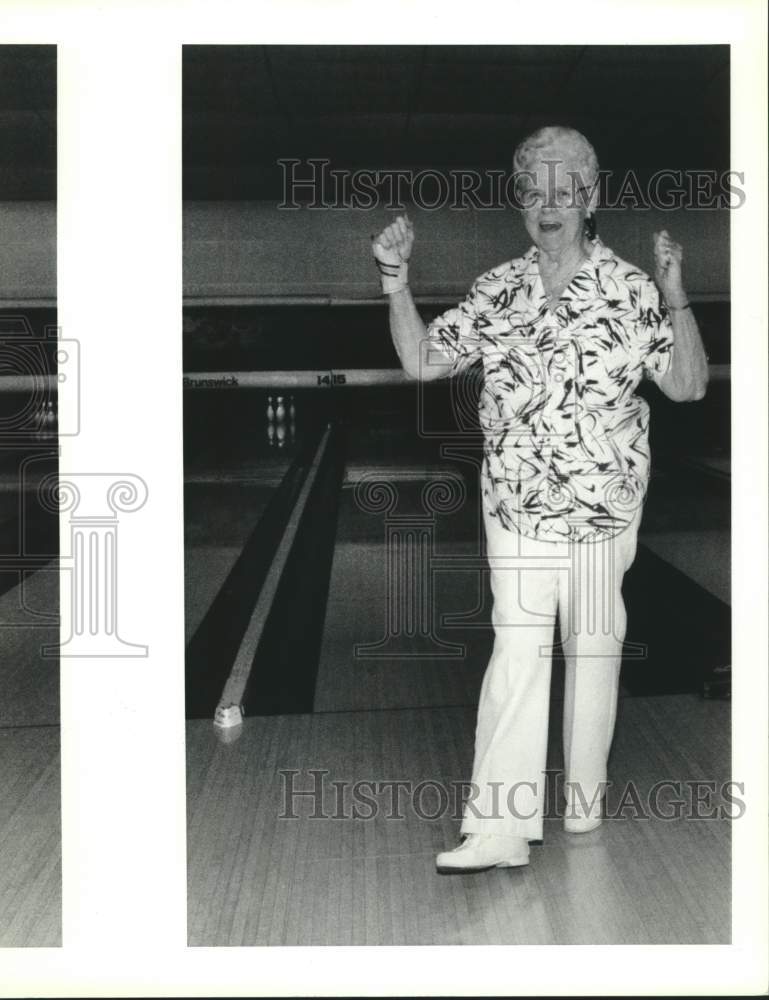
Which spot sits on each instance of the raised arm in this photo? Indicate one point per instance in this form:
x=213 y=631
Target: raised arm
x=687 y=377
x=392 y=250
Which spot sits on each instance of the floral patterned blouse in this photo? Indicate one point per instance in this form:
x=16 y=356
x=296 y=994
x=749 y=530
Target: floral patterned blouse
x=566 y=446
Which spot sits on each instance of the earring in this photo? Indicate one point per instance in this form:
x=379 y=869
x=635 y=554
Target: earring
x=590 y=226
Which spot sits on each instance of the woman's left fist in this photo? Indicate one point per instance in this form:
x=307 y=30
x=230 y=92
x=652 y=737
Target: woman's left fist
x=668 y=256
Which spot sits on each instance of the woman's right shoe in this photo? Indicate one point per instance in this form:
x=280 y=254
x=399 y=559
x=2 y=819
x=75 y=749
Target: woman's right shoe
x=479 y=852
x=577 y=819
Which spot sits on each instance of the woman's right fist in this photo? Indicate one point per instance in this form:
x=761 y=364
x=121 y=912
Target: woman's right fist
x=393 y=245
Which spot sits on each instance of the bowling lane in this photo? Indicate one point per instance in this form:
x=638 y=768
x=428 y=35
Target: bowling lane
x=29 y=592
x=687 y=522
x=233 y=464
x=394 y=475
x=258 y=877
x=29 y=682
x=30 y=824
x=228 y=436
x=229 y=489
x=244 y=455
x=219 y=518
x=373 y=655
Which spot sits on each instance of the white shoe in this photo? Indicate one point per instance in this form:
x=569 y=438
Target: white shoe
x=478 y=852
x=581 y=824
x=578 y=820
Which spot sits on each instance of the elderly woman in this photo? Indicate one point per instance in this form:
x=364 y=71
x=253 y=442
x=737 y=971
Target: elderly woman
x=565 y=334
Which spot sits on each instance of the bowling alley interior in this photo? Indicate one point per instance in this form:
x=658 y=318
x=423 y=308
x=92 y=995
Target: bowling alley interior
x=30 y=839
x=337 y=602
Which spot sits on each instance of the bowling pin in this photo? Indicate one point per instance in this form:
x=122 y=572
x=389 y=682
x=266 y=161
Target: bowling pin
x=270 y=410
x=292 y=430
x=271 y=432
x=280 y=433
x=291 y=409
x=50 y=416
x=40 y=423
x=280 y=411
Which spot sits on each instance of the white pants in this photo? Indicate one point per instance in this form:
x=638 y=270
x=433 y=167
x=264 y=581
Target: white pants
x=530 y=581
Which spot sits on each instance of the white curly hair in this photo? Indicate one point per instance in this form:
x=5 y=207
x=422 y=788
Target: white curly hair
x=557 y=142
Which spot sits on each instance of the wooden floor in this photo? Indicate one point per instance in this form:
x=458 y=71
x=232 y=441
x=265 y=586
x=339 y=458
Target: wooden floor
x=30 y=838
x=258 y=879
x=30 y=825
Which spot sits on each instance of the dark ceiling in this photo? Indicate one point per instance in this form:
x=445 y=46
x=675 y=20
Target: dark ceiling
x=245 y=107
x=27 y=122
x=381 y=107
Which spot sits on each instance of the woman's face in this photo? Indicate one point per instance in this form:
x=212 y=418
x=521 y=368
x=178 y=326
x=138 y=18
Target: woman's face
x=553 y=197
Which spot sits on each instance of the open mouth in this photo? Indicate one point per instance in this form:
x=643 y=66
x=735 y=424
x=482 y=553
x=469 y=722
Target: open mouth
x=549 y=227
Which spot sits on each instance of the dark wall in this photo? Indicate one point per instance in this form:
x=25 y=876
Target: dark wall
x=27 y=253
x=253 y=250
